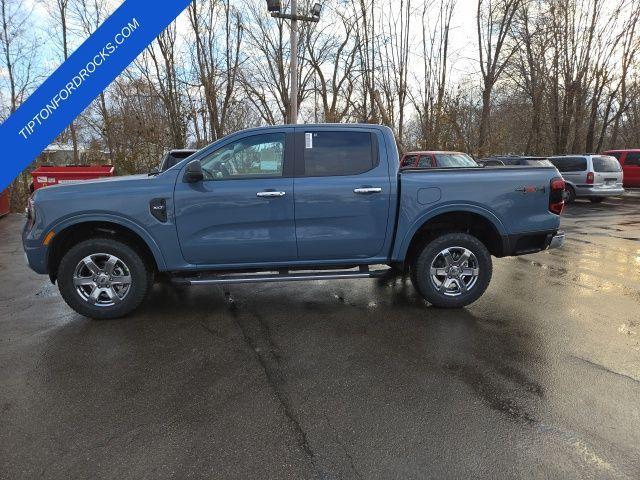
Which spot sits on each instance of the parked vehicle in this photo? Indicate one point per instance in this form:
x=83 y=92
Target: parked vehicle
x=172 y=157
x=490 y=162
x=515 y=160
x=289 y=203
x=595 y=177
x=431 y=159
x=630 y=161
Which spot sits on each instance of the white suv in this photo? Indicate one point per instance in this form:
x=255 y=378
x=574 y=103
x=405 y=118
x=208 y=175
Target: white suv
x=595 y=177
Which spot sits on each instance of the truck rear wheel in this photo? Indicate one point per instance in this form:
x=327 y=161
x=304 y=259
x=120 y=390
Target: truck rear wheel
x=103 y=278
x=452 y=271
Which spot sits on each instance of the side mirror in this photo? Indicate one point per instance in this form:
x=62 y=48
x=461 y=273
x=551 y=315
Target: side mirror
x=193 y=172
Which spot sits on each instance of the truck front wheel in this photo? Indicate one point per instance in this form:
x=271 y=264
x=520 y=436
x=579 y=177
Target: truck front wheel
x=452 y=270
x=103 y=278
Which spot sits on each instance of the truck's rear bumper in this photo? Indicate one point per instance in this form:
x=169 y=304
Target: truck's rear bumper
x=557 y=240
x=532 y=242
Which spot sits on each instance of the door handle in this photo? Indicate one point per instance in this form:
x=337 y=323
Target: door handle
x=270 y=194
x=367 y=190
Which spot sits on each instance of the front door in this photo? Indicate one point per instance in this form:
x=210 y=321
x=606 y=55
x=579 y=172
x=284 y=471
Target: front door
x=242 y=212
x=342 y=194
x=631 y=169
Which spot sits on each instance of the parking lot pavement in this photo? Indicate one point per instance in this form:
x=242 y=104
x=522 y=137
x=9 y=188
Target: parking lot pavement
x=345 y=379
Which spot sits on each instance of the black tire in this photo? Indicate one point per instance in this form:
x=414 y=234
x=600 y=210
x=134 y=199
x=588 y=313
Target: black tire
x=570 y=196
x=597 y=199
x=140 y=276
x=421 y=270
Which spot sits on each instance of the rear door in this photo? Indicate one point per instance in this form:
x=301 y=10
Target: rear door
x=342 y=194
x=631 y=168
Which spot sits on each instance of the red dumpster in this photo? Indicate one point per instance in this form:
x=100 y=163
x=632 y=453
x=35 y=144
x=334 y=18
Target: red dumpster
x=4 y=202
x=46 y=175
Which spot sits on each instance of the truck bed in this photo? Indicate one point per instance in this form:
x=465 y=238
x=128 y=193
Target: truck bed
x=514 y=199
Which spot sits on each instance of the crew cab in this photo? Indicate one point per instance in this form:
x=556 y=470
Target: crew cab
x=289 y=203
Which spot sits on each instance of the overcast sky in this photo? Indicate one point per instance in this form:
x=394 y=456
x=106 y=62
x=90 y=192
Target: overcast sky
x=463 y=39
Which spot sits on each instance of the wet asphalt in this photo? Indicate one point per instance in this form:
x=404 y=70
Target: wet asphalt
x=337 y=379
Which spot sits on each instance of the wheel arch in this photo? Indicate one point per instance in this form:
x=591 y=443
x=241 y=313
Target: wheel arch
x=470 y=219
x=74 y=230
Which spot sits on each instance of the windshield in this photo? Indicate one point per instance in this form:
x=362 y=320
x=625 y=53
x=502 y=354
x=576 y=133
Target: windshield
x=605 y=164
x=455 y=160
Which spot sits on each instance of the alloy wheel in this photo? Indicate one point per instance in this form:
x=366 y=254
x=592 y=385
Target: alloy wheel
x=454 y=271
x=102 y=280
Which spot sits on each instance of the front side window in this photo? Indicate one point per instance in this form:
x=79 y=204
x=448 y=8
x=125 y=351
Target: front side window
x=632 y=159
x=455 y=160
x=249 y=157
x=328 y=153
x=605 y=164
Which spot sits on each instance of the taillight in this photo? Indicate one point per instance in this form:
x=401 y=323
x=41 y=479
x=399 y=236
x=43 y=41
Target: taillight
x=590 y=178
x=556 y=195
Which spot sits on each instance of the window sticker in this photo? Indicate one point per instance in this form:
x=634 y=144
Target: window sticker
x=308 y=140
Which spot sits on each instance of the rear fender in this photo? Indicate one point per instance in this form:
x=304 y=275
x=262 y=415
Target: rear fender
x=401 y=247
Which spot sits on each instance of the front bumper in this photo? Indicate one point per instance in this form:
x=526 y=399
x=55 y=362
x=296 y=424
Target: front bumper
x=35 y=252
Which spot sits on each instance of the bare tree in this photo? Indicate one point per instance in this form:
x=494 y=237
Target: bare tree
x=217 y=37
x=429 y=100
x=89 y=15
x=17 y=62
x=630 y=48
x=60 y=13
x=17 y=51
x=494 y=19
x=266 y=78
x=332 y=55
x=159 y=65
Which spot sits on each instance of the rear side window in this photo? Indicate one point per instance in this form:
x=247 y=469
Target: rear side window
x=605 y=164
x=633 y=159
x=329 y=153
x=570 y=164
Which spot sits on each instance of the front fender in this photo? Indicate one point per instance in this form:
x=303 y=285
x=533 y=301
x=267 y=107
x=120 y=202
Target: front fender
x=61 y=225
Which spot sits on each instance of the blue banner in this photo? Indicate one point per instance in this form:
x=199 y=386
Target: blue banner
x=80 y=79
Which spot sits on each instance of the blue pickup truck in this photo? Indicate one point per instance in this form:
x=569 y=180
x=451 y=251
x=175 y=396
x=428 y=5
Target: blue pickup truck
x=289 y=203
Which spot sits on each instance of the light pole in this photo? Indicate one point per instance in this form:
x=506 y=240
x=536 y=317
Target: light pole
x=275 y=8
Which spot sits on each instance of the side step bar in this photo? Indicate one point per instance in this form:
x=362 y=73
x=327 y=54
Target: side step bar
x=283 y=276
